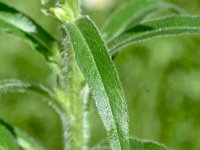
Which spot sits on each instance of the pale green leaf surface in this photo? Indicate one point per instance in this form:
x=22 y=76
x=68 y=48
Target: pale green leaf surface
x=100 y=74
x=17 y=23
x=132 y=12
x=135 y=144
x=168 y=26
x=12 y=85
x=7 y=140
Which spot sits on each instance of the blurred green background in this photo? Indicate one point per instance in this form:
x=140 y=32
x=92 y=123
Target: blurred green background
x=161 y=80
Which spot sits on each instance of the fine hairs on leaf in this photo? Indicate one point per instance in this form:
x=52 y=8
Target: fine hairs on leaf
x=102 y=80
x=168 y=26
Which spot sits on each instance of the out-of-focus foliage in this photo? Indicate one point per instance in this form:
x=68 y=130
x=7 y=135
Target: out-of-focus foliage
x=161 y=80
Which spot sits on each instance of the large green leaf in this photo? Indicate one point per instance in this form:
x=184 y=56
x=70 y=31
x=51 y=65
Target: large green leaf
x=135 y=144
x=132 y=12
x=13 y=85
x=7 y=140
x=168 y=26
x=17 y=23
x=94 y=62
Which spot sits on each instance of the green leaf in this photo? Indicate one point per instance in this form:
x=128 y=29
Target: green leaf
x=17 y=23
x=133 y=12
x=100 y=74
x=12 y=85
x=135 y=144
x=169 y=26
x=7 y=140
x=23 y=140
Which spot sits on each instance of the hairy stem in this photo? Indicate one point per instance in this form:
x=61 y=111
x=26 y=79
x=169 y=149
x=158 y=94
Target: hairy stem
x=70 y=80
x=70 y=85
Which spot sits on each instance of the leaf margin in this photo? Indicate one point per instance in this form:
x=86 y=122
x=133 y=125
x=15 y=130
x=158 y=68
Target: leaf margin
x=137 y=11
x=122 y=41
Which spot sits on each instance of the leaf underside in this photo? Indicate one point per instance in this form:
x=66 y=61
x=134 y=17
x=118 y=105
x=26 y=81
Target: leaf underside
x=131 y=14
x=17 y=23
x=100 y=74
x=168 y=26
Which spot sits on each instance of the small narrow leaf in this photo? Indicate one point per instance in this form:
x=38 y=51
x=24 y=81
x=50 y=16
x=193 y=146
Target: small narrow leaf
x=169 y=26
x=26 y=142
x=146 y=145
x=7 y=140
x=21 y=87
x=17 y=23
x=94 y=62
x=135 y=144
x=23 y=140
x=133 y=12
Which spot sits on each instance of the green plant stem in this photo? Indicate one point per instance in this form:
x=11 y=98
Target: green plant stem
x=72 y=101
x=70 y=84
